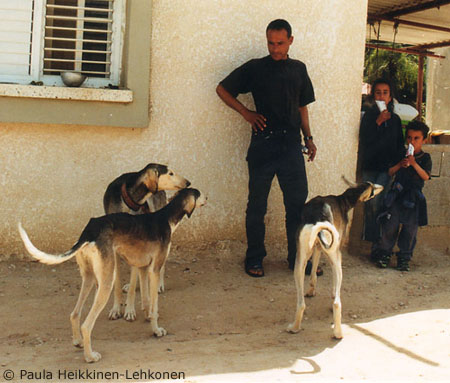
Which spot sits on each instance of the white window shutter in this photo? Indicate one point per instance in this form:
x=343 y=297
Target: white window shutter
x=117 y=40
x=15 y=39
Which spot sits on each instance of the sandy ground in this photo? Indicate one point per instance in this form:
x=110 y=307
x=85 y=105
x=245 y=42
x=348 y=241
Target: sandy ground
x=224 y=326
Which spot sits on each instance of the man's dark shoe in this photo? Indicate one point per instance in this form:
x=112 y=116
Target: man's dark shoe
x=308 y=270
x=254 y=269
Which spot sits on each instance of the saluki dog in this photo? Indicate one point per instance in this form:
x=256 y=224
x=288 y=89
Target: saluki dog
x=143 y=241
x=138 y=193
x=324 y=225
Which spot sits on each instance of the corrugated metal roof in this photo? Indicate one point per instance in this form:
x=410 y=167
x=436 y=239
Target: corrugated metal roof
x=425 y=18
x=385 y=6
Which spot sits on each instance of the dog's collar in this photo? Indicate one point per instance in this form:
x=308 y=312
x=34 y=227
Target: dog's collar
x=130 y=203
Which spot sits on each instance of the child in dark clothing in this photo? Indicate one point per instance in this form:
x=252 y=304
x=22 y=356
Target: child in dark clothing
x=380 y=143
x=404 y=203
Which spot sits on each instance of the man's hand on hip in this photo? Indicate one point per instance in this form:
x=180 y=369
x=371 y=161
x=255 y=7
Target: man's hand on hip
x=256 y=120
x=312 y=150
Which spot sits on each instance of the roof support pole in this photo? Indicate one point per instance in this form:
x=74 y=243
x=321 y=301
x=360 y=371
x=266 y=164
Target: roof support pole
x=420 y=85
x=410 y=51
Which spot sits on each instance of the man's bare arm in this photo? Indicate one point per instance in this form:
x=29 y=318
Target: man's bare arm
x=257 y=121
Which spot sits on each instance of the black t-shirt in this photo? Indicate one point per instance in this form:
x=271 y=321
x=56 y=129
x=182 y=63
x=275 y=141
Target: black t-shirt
x=412 y=185
x=278 y=88
x=409 y=178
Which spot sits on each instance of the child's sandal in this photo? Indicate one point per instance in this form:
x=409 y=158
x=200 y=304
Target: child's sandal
x=402 y=263
x=383 y=260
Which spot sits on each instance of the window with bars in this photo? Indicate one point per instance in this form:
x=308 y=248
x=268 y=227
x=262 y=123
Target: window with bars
x=39 y=39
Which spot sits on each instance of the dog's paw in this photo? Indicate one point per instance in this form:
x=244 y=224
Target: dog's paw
x=161 y=288
x=311 y=293
x=93 y=357
x=293 y=329
x=337 y=334
x=159 y=332
x=130 y=314
x=115 y=313
x=78 y=343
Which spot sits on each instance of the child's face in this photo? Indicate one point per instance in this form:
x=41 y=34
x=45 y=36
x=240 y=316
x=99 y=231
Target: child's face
x=416 y=139
x=382 y=92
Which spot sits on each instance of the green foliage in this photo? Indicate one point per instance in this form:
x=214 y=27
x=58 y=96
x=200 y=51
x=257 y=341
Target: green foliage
x=400 y=68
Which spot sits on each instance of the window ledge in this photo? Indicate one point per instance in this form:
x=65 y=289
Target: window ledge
x=124 y=96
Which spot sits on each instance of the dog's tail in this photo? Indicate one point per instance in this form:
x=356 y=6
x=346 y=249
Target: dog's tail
x=48 y=259
x=326 y=233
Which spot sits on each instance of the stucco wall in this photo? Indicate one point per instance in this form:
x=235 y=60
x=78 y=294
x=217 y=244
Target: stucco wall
x=53 y=177
x=438 y=118
x=438 y=91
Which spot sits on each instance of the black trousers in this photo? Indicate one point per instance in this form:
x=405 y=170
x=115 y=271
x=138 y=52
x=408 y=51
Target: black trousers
x=290 y=170
x=391 y=232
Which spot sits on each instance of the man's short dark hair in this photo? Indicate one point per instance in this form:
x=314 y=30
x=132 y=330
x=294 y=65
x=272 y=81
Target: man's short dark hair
x=278 y=25
x=418 y=126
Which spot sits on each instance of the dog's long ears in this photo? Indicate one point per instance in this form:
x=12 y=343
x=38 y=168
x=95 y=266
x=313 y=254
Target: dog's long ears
x=191 y=210
x=349 y=183
x=190 y=213
x=151 y=180
x=190 y=205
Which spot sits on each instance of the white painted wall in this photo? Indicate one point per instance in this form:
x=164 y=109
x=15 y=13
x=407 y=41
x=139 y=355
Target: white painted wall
x=53 y=177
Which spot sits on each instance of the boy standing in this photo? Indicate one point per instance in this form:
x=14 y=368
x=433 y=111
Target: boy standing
x=404 y=203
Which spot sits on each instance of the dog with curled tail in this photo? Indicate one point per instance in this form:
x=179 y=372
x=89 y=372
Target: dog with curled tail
x=324 y=225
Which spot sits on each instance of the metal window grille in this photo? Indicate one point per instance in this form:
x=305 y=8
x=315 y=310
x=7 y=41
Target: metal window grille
x=62 y=35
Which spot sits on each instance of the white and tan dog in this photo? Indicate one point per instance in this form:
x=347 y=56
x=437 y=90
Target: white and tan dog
x=143 y=241
x=324 y=225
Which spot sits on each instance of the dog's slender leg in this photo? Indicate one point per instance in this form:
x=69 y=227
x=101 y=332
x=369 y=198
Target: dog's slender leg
x=86 y=287
x=145 y=286
x=105 y=275
x=333 y=289
x=141 y=281
x=313 y=278
x=299 y=276
x=130 y=310
x=153 y=307
x=161 y=279
x=337 y=306
x=116 y=311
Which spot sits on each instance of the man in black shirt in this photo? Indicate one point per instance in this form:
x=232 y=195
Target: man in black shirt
x=281 y=90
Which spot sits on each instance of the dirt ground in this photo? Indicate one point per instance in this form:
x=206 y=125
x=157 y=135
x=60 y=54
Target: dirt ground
x=225 y=326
